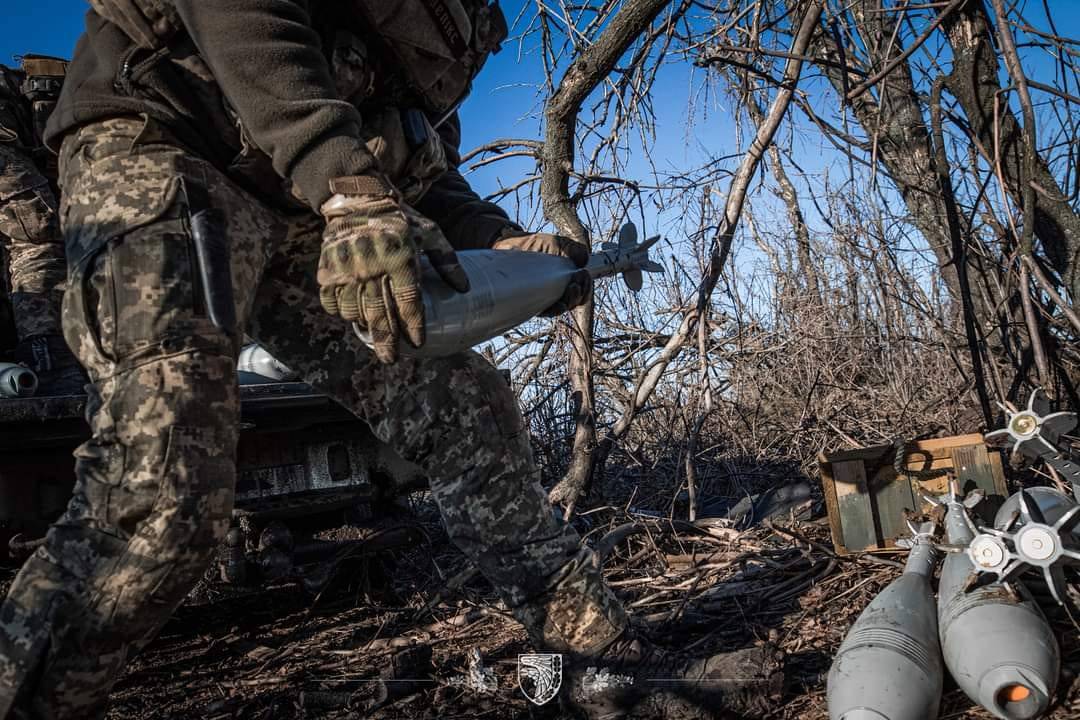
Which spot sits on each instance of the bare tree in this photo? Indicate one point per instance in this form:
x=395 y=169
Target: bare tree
x=905 y=257
x=590 y=68
x=1001 y=139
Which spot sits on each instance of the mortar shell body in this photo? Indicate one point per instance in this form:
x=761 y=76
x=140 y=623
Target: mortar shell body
x=257 y=362
x=999 y=649
x=17 y=381
x=1051 y=502
x=889 y=665
x=506 y=288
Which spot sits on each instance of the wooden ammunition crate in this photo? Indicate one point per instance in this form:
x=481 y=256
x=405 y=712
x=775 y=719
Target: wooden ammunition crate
x=866 y=499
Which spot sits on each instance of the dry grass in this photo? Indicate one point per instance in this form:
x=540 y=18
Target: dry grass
x=281 y=653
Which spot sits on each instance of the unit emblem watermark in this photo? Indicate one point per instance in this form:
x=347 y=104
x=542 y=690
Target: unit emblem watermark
x=540 y=676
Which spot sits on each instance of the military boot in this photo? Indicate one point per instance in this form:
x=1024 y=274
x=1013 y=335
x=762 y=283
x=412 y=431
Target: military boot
x=635 y=678
x=57 y=370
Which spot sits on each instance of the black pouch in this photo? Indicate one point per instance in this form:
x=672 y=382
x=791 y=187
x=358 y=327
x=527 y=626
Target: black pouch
x=44 y=80
x=213 y=258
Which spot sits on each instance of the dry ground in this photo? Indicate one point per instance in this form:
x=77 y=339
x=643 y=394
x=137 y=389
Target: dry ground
x=282 y=652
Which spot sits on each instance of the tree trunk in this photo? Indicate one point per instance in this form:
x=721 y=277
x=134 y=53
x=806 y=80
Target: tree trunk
x=646 y=383
x=974 y=83
x=896 y=124
x=590 y=68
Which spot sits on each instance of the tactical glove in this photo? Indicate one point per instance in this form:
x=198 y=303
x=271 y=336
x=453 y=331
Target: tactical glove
x=580 y=286
x=369 y=268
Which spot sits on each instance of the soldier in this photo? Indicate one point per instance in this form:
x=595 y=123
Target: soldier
x=276 y=168
x=33 y=271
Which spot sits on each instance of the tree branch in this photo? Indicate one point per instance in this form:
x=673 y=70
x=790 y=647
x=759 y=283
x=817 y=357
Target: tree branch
x=590 y=68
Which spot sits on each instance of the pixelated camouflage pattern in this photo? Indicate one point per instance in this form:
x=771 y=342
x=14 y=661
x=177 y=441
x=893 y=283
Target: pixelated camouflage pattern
x=30 y=231
x=411 y=169
x=155 y=483
x=352 y=67
x=458 y=420
x=16 y=124
x=150 y=23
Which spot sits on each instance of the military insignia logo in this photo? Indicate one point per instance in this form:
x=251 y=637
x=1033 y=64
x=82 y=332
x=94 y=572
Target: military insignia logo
x=540 y=676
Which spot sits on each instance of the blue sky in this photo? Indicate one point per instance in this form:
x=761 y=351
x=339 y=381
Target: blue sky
x=504 y=102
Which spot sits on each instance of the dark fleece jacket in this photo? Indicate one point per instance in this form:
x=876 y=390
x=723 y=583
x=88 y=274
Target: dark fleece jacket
x=265 y=61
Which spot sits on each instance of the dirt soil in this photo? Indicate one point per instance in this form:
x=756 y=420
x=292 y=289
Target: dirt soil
x=286 y=652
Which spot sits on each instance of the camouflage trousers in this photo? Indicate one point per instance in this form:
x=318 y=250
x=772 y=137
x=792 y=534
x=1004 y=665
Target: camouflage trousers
x=154 y=485
x=30 y=232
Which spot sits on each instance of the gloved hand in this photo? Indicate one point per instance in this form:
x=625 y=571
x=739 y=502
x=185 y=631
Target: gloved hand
x=369 y=268
x=580 y=286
